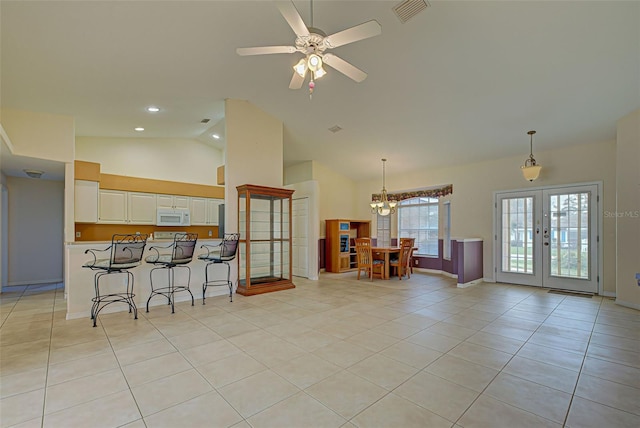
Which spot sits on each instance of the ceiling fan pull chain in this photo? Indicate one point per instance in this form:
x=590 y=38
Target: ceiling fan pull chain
x=312 y=85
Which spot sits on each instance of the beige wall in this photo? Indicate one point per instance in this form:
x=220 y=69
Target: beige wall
x=253 y=156
x=171 y=159
x=627 y=212
x=474 y=186
x=35 y=242
x=40 y=135
x=298 y=173
x=337 y=195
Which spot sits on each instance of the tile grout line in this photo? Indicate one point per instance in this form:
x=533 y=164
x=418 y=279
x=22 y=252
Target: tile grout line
x=584 y=358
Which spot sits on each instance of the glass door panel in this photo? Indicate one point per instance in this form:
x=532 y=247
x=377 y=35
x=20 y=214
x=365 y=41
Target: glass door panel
x=570 y=247
x=517 y=238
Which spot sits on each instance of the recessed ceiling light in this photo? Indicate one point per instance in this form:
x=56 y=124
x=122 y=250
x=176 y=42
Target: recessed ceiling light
x=153 y=109
x=216 y=136
x=139 y=129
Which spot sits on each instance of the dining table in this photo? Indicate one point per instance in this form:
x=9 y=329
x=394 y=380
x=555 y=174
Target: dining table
x=385 y=253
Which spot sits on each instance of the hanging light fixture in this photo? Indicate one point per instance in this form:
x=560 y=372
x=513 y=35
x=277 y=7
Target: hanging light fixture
x=383 y=206
x=530 y=169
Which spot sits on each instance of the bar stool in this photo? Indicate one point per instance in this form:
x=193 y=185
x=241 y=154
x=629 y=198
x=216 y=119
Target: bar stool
x=217 y=254
x=180 y=255
x=124 y=253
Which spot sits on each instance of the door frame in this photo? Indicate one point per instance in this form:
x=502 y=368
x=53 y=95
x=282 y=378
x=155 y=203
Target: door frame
x=599 y=225
x=306 y=225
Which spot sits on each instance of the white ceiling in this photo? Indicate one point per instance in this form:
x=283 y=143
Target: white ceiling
x=460 y=82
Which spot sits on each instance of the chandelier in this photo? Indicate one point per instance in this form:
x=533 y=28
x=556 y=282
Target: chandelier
x=530 y=169
x=383 y=206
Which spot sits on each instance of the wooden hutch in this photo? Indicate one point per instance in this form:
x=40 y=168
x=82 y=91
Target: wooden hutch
x=340 y=243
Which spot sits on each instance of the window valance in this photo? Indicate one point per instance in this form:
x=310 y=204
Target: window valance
x=437 y=192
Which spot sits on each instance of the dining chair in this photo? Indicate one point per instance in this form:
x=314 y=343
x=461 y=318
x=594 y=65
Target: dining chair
x=365 y=259
x=410 y=258
x=401 y=264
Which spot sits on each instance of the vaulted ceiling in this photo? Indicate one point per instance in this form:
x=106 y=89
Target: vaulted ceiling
x=459 y=82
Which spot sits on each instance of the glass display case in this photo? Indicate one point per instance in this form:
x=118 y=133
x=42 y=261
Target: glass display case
x=264 y=223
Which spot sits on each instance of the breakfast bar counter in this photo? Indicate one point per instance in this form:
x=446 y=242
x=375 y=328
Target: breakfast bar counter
x=79 y=281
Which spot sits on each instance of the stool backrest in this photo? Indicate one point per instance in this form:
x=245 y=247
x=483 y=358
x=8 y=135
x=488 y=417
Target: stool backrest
x=127 y=249
x=184 y=245
x=229 y=246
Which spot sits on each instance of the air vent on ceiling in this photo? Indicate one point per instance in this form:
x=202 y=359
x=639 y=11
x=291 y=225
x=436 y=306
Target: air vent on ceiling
x=205 y=120
x=409 y=8
x=335 y=129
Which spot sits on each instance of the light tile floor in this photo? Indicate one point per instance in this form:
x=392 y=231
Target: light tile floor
x=330 y=353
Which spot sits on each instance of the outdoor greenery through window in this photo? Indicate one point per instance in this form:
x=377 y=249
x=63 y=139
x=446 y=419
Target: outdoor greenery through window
x=418 y=218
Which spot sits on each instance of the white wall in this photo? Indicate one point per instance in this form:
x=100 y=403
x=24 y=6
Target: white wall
x=171 y=159
x=627 y=213
x=36 y=219
x=474 y=184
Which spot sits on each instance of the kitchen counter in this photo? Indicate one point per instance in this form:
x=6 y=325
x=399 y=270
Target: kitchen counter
x=79 y=288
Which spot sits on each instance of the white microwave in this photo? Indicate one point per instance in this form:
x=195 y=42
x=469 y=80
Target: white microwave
x=173 y=217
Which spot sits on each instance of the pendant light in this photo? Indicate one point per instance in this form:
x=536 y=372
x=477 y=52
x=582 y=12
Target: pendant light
x=530 y=169
x=383 y=206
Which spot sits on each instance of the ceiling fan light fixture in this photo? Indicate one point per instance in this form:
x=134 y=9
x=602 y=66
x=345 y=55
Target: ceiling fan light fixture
x=314 y=62
x=319 y=73
x=301 y=67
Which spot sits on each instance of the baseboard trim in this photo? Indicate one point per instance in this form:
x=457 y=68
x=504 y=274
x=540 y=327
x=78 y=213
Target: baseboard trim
x=628 y=304
x=42 y=281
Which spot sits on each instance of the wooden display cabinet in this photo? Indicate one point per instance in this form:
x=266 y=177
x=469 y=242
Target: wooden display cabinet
x=264 y=223
x=340 y=243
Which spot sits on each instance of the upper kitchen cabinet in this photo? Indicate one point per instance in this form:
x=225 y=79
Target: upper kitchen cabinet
x=86 y=201
x=204 y=211
x=112 y=206
x=172 y=201
x=141 y=208
x=212 y=211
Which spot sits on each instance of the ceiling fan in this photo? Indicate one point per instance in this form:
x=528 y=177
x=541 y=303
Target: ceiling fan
x=313 y=43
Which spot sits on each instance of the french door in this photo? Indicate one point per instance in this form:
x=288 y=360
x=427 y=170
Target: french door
x=549 y=237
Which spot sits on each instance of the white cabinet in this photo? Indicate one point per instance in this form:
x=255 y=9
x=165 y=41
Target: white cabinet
x=112 y=206
x=172 y=201
x=204 y=211
x=120 y=207
x=86 y=201
x=198 y=211
x=212 y=211
x=141 y=208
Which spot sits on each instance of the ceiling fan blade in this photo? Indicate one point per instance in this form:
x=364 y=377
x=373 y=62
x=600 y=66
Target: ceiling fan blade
x=290 y=13
x=344 y=67
x=296 y=81
x=264 y=50
x=354 y=34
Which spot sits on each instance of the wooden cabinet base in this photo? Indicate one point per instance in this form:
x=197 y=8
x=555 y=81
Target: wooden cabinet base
x=266 y=287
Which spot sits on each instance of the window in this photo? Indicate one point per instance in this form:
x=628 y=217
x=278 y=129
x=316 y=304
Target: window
x=446 y=247
x=384 y=230
x=418 y=218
